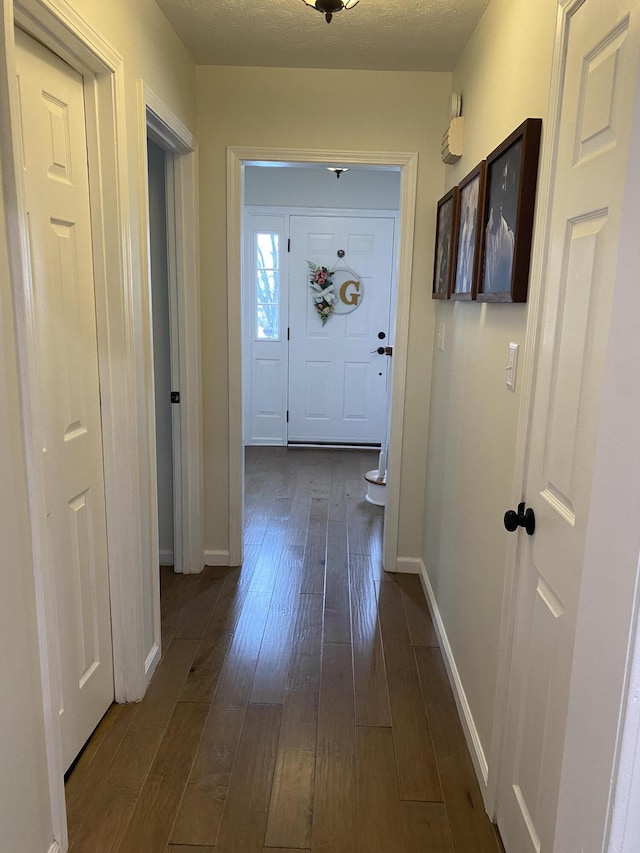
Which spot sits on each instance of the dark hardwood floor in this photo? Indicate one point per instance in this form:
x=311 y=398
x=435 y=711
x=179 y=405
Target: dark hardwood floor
x=301 y=703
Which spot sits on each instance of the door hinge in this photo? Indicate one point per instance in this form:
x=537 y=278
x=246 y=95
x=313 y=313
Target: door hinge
x=287 y=415
x=288 y=333
x=289 y=244
x=175 y=396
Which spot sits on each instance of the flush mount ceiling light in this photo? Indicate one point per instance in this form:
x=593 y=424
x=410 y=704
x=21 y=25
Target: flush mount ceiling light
x=337 y=171
x=329 y=7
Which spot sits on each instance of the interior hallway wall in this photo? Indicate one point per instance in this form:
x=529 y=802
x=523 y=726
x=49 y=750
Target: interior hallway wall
x=504 y=77
x=151 y=51
x=303 y=108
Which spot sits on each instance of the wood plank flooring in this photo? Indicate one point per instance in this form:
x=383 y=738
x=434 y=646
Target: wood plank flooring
x=301 y=704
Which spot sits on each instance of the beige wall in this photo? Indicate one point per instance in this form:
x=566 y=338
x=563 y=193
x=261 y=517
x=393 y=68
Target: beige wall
x=151 y=51
x=315 y=109
x=141 y=34
x=504 y=77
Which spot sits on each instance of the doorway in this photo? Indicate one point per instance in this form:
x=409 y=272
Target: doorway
x=173 y=400
x=237 y=161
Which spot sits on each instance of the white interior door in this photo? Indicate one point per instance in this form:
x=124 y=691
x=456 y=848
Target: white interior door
x=338 y=381
x=598 y=81
x=59 y=225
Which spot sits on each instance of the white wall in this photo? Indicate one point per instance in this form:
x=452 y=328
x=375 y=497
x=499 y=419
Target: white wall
x=358 y=189
x=504 y=77
x=161 y=346
x=275 y=107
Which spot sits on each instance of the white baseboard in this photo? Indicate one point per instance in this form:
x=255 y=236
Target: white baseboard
x=217 y=558
x=408 y=565
x=152 y=661
x=464 y=710
x=166 y=558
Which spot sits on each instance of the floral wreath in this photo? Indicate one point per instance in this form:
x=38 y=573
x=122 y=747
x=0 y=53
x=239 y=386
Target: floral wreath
x=322 y=290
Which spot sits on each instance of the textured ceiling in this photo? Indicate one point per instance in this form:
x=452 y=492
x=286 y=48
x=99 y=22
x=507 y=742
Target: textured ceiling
x=385 y=35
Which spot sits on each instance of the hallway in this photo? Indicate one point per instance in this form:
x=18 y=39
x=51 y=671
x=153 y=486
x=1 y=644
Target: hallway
x=301 y=703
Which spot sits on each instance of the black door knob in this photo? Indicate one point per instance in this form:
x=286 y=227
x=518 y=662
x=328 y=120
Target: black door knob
x=522 y=518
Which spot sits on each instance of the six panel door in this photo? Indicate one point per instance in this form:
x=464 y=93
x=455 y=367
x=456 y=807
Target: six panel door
x=59 y=226
x=599 y=81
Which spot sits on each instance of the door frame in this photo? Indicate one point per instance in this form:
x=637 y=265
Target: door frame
x=285 y=213
x=56 y=25
x=237 y=158
x=616 y=678
x=159 y=123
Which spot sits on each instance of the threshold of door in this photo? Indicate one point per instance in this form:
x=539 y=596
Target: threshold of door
x=333 y=446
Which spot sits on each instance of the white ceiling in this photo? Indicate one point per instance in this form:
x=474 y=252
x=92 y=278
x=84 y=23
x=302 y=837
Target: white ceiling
x=384 y=35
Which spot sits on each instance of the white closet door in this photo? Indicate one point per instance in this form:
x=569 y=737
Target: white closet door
x=59 y=222
x=592 y=151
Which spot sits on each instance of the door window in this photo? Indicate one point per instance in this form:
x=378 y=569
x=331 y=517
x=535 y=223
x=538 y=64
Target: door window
x=267 y=279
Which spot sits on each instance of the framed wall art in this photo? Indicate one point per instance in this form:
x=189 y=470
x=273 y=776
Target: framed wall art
x=508 y=210
x=467 y=255
x=446 y=241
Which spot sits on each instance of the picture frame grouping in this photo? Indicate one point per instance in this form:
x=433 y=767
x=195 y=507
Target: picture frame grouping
x=485 y=224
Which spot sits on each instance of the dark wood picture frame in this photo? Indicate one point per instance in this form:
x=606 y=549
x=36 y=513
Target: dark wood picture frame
x=508 y=211
x=466 y=268
x=446 y=242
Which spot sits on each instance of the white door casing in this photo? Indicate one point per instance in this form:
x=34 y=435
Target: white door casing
x=57 y=208
x=597 y=79
x=338 y=379
x=164 y=128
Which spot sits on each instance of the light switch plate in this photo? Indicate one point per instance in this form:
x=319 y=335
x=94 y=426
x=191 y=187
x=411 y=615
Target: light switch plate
x=441 y=337
x=512 y=365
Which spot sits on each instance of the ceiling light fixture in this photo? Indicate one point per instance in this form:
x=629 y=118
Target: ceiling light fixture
x=337 y=172
x=329 y=7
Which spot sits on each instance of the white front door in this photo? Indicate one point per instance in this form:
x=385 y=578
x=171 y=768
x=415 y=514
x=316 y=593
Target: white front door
x=598 y=81
x=59 y=226
x=338 y=381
